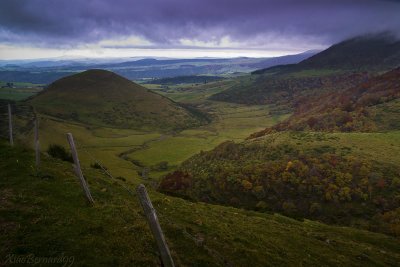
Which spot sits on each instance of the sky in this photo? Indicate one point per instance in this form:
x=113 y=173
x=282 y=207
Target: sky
x=32 y=29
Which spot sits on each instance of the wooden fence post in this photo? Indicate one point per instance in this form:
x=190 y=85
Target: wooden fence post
x=36 y=143
x=10 y=127
x=78 y=170
x=144 y=173
x=155 y=227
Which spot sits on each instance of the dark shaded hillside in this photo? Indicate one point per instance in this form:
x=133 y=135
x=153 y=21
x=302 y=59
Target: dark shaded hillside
x=373 y=52
x=287 y=89
x=370 y=106
x=104 y=98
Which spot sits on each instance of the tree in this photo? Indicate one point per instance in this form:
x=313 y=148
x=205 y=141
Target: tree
x=315 y=208
x=288 y=207
x=247 y=185
x=345 y=194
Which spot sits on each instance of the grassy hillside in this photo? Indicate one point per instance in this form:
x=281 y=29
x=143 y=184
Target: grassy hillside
x=289 y=88
x=103 y=98
x=347 y=179
x=46 y=215
x=370 y=106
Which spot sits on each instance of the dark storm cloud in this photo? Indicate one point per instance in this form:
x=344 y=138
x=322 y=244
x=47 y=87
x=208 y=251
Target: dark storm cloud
x=164 y=22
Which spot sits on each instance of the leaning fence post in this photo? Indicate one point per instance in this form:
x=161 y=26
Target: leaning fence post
x=78 y=170
x=155 y=226
x=36 y=143
x=10 y=128
x=144 y=173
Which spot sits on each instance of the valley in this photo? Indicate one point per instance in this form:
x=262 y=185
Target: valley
x=287 y=165
x=148 y=148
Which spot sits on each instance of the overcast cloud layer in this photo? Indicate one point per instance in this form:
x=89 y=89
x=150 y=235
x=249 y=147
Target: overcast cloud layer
x=208 y=24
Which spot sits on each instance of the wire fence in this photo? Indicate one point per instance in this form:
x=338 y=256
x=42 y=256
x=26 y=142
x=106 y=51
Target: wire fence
x=105 y=170
x=215 y=254
x=27 y=114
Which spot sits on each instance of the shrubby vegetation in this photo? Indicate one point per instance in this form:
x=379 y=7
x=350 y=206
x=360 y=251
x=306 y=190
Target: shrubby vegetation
x=318 y=183
x=160 y=166
x=354 y=109
x=288 y=89
x=59 y=152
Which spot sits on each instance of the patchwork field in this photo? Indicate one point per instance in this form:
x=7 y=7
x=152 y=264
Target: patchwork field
x=19 y=91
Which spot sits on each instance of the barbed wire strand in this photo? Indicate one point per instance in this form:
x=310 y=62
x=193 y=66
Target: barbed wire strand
x=133 y=193
x=212 y=252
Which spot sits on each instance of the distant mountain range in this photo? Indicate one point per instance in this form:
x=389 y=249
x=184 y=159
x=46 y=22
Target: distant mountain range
x=47 y=71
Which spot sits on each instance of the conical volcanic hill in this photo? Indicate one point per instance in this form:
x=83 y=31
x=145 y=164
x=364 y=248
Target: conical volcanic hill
x=103 y=98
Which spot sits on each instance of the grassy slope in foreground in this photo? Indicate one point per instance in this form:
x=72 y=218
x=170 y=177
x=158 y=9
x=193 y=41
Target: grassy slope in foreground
x=48 y=216
x=100 y=97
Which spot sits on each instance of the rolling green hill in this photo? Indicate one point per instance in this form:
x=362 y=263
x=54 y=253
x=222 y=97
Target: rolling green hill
x=44 y=215
x=100 y=97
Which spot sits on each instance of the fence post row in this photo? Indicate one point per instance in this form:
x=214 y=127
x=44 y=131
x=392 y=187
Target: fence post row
x=155 y=226
x=10 y=128
x=36 y=142
x=78 y=170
